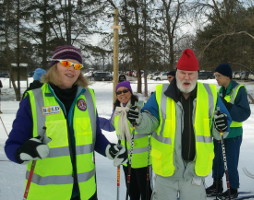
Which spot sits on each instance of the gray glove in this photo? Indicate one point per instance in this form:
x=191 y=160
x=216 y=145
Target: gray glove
x=118 y=153
x=220 y=121
x=33 y=149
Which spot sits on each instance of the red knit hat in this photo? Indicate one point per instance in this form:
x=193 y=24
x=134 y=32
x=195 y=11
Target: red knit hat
x=188 y=61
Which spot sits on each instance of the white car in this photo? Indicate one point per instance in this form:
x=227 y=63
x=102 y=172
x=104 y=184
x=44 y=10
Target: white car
x=251 y=76
x=161 y=76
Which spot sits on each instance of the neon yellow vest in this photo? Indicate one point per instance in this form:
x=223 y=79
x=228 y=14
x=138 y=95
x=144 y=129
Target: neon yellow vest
x=163 y=140
x=231 y=98
x=141 y=146
x=53 y=177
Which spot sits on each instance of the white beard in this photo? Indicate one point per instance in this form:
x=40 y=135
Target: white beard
x=185 y=89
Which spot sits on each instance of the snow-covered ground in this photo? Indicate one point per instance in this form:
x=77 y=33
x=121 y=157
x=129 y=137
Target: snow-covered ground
x=12 y=175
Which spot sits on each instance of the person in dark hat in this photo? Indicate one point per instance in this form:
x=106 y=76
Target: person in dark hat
x=57 y=126
x=171 y=75
x=121 y=78
x=234 y=96
x=138 y=165
x=182 y=119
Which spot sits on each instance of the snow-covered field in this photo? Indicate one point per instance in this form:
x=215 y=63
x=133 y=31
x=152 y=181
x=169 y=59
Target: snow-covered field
x=12 y=175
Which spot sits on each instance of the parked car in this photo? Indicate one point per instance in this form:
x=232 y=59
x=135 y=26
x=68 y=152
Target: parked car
x=251 y=76
x=160 y=76
x=4 y=74
x=102 y=76
x=205 y=75
x=244 y=75
x=236 y=75
x=150 y=76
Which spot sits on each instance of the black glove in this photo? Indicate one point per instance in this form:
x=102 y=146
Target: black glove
x=118 y=153
x=33 y=149
x=133 y=115
x=220 y=121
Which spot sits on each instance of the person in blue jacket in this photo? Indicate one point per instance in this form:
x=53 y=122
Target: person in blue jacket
x=38 y=73
x=234 y=96
x=57 y=126
x=182 y=116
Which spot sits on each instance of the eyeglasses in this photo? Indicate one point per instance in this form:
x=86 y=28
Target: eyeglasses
x=217 y=76
x=120 y=92
x=67 y=64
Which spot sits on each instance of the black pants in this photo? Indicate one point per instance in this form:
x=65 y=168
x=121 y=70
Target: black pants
x=94 y=197
x=139 y=186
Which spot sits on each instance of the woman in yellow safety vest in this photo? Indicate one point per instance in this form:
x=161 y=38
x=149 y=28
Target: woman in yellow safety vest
x=56 y=132
x=137 y=168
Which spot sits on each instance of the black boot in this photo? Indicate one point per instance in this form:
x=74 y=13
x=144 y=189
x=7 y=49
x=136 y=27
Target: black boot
x=233 y=194
x=215 y=189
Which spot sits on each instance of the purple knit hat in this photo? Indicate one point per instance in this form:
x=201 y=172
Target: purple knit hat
x=126 y=84
x=66 y=52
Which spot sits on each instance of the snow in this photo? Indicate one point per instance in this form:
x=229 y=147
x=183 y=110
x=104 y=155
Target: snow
x=12 y=175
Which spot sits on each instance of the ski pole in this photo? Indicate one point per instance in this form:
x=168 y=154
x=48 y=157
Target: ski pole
x=118 y=182
x=118 y=175
x=4 y=126
x=148 y=171
x=217 y=173
x=0 y=98
x=29 y=180
x=129 y=165
x=130 y=160
x=31 y=173
x=225 y=164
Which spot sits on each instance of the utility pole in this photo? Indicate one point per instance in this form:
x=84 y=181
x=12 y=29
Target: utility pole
x=18 y=95
x=116 y=28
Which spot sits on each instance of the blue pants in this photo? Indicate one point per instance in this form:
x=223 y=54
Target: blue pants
x=232 y=148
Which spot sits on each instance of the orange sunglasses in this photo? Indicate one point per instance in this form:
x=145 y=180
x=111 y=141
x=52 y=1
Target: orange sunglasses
x=66 y=63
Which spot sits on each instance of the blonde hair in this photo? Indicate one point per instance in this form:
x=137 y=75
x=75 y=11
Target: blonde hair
x=51 y=77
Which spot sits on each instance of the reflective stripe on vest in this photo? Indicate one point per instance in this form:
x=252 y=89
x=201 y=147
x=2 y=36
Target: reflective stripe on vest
x=53 y=176
x=141 y=148
x=163 y=140
x=231 y=98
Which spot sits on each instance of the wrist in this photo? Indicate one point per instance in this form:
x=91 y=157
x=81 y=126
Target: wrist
x=107 y=152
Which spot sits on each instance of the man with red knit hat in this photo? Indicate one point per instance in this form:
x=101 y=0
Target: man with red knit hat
x=183 y=119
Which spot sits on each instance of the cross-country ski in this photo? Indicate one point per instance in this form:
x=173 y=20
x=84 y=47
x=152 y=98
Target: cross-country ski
x=247 y=173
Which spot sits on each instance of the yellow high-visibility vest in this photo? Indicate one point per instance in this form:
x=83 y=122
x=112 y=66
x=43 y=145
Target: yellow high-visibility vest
x=53 y=176
x=163 y=140
x=231 y=98
x=141 y=146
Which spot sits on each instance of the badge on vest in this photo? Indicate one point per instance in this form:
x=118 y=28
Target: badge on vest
x=81 y=104
x=50 y=110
